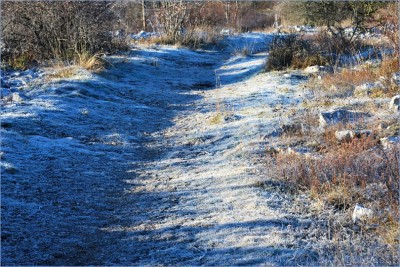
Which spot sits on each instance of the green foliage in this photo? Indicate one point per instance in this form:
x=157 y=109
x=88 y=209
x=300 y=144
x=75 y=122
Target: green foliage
x=333 y=13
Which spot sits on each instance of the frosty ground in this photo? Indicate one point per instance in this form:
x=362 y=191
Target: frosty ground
x=155 y=161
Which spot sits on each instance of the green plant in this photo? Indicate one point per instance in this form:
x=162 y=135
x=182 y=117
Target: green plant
x=355 y=16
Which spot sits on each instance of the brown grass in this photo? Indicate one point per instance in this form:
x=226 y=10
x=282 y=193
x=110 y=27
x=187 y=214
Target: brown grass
x=62 y=72
x=349 y=78
x=338 y=178
x=200 y=36
x=90 y=62
x=342 y=173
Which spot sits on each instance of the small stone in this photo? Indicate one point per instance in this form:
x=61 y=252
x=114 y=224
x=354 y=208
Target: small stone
x=395 y=103
x=388 y=142
x=346 y=135
x=312 y=69
x=360 y=213
x=340 y=116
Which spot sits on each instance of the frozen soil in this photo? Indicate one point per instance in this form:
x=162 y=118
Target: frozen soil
x=156 y=161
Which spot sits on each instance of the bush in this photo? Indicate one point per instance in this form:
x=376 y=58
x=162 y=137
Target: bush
x=292 y=51
x=343 y=175
x=54 y=30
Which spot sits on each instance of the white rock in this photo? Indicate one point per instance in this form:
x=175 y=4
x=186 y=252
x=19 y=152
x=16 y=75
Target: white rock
x=360 y=213
x=395 y=103
x=312 y=69
x=348 y=135
x=345 y=135
x=388 y=142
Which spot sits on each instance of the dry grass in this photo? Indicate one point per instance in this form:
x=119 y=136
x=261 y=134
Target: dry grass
x=339 y=175
x=343 y=175
x=63 y=72
x=198 y=37
x=349 y=78
x=90 y=62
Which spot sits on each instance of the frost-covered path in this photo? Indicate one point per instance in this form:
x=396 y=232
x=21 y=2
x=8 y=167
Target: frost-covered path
x=148 y=163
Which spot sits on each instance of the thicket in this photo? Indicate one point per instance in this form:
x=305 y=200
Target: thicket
x=36 y=31
x=344 y=20
x=342 y=24
x=293 y=51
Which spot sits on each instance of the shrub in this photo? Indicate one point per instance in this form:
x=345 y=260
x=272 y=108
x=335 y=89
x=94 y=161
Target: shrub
x=54 y=30
x=292 y=51
x=335 y=14
x=358 y=166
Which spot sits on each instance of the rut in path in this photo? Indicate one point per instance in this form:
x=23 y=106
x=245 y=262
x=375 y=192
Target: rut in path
x=146 y=164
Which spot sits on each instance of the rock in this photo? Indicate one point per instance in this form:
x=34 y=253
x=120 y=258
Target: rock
x=390 y=141
x=348 y=135
x=360 y=213
x=14 y=97
x=312 y=69
x=394 y=103
x=396 y=78
x=293 y=129
x=340 y=116
x=288 y=129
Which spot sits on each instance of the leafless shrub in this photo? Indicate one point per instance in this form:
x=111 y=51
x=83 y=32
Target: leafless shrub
x=48 y=30
x=292 y=51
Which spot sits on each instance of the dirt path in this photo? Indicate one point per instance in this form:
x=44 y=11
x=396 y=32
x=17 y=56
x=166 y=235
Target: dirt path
x=149 y=164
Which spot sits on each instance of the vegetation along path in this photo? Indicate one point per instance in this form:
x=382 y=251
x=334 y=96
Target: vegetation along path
x=155 y=161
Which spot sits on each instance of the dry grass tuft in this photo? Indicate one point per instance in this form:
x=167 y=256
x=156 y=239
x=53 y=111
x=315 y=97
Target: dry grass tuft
x=90 y=62
x=349 y=77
